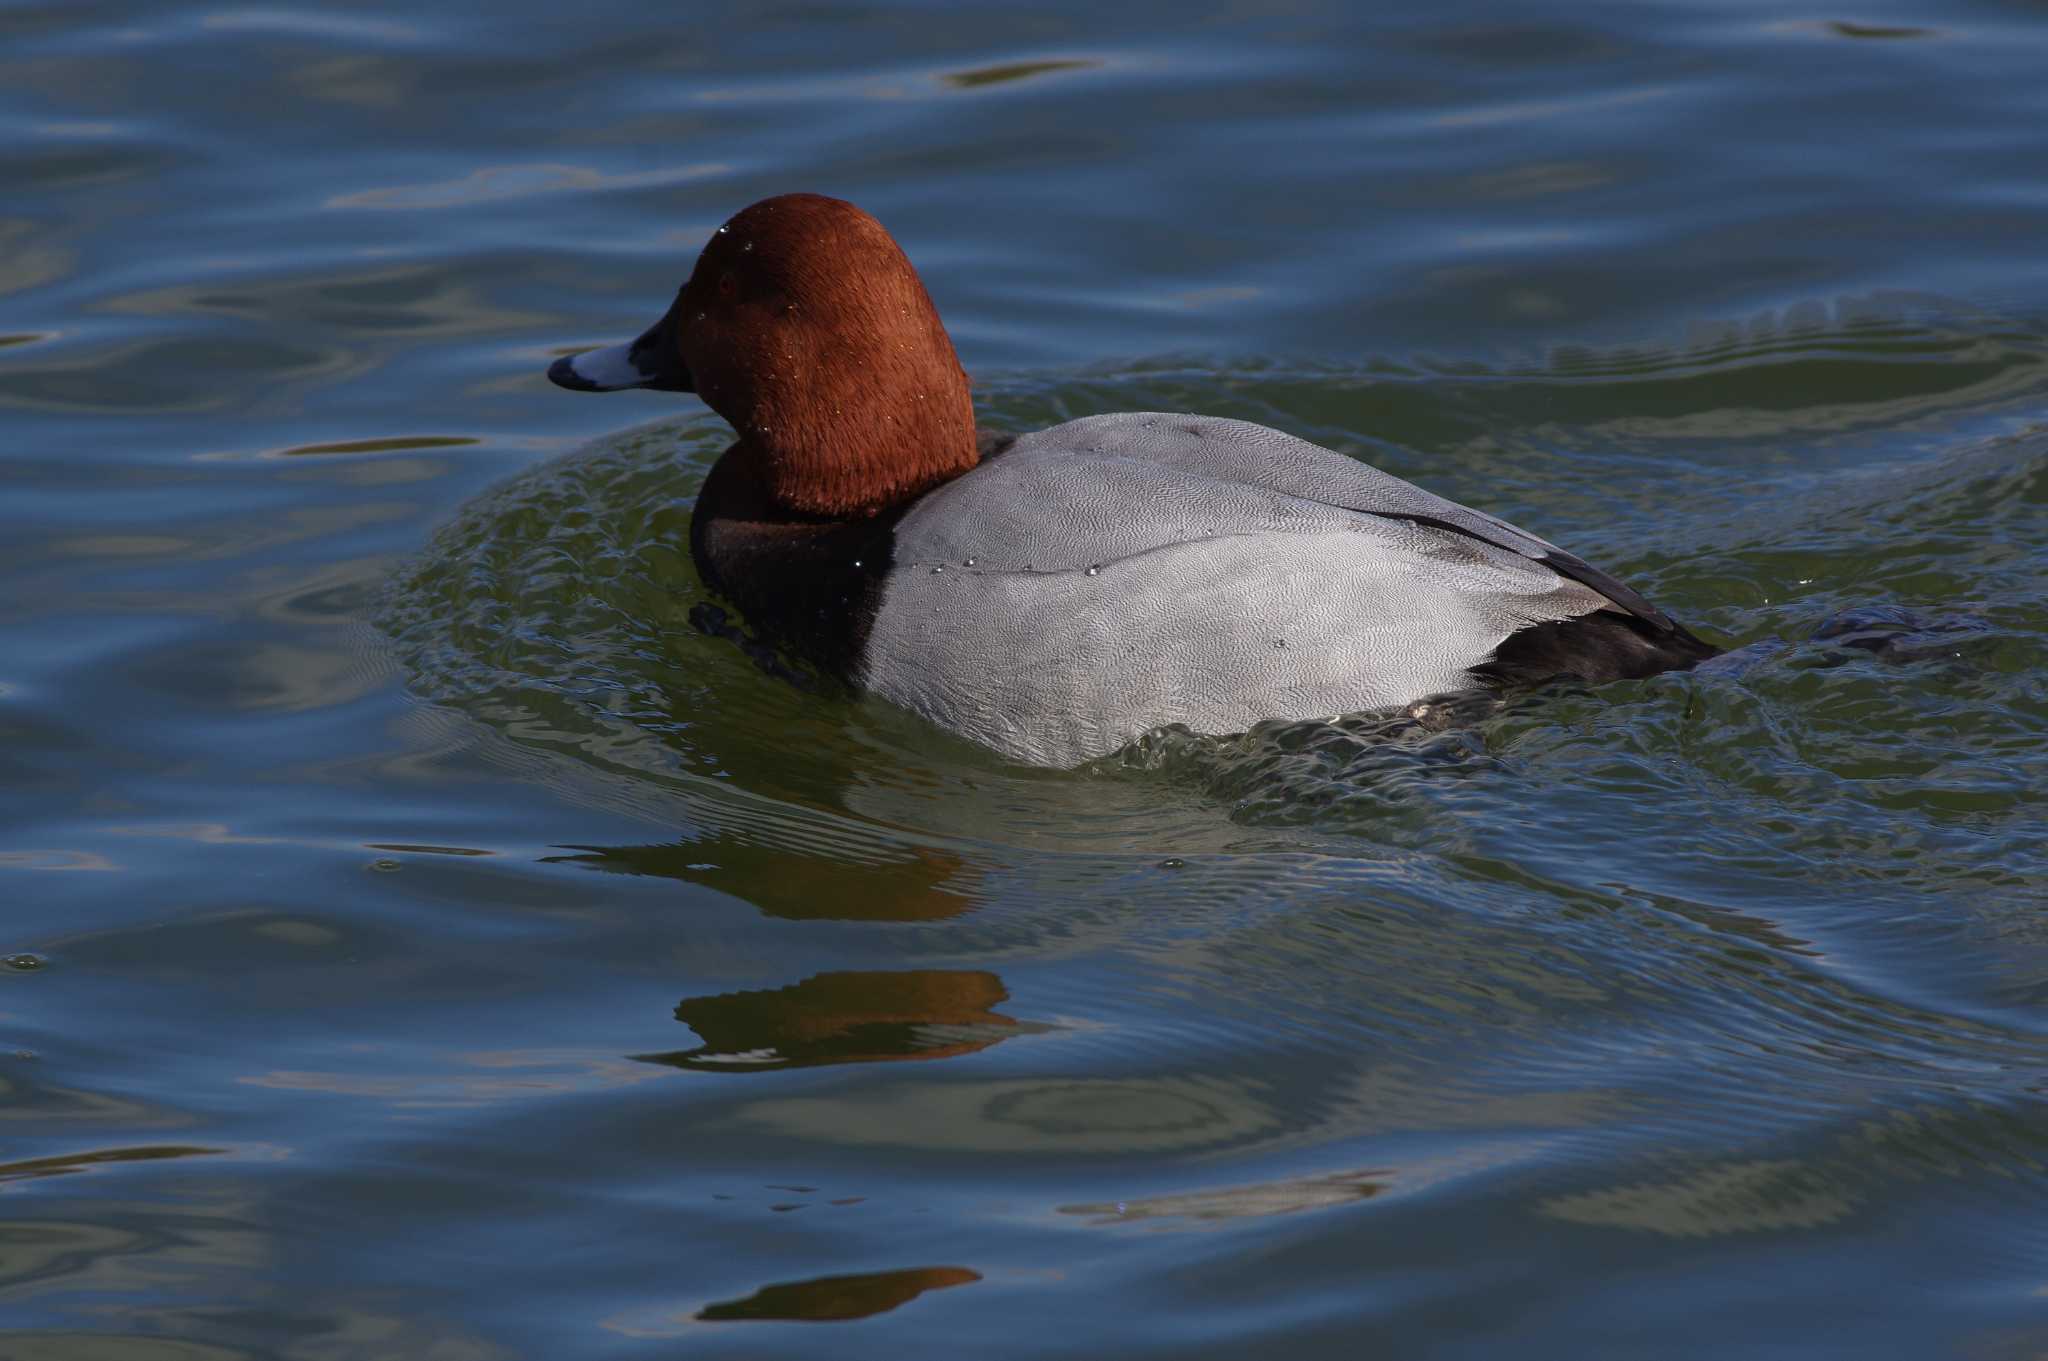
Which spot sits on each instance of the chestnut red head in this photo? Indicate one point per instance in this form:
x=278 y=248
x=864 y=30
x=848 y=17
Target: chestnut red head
x=805 y=326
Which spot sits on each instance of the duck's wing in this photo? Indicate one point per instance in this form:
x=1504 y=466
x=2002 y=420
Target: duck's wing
x=1109 y=575
x=1086 y=495
x=1060 y=600
x=1239 y=451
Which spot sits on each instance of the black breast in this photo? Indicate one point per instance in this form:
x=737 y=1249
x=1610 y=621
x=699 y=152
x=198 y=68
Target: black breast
x=806 y=587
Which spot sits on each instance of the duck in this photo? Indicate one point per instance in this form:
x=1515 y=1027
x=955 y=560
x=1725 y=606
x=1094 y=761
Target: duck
x=1055 y=595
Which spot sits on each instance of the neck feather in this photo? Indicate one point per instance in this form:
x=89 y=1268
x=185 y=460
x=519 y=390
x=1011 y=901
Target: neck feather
x=859 y=451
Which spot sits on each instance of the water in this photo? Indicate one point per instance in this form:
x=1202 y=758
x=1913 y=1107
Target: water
x=423 y=940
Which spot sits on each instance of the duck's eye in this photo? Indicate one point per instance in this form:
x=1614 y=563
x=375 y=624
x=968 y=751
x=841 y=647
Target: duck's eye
x=728 y=285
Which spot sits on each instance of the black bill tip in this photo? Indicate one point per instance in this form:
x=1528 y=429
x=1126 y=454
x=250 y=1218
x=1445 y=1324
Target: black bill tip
x=608 y=369
x=562 y=373
x=653 y=361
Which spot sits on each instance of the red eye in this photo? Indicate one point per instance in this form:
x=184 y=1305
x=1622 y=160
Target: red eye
x=728 y=285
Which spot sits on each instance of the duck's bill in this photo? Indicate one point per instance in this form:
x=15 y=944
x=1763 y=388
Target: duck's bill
x=652 y=361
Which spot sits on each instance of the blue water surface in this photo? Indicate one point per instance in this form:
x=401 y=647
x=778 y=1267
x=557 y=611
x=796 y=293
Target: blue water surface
x=422 y=940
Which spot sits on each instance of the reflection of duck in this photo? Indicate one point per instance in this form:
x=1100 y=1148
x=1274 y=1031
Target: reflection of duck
x=846 y=1018
x=66 y=1163
x=1055 y=595
x=838 y=1298
x=1262 y=1199
x=927 y=886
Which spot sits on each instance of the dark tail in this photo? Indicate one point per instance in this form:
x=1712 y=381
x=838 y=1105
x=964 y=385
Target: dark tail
x=1602 y=646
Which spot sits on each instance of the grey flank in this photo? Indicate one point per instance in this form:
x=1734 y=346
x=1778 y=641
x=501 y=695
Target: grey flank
x=1140 y=569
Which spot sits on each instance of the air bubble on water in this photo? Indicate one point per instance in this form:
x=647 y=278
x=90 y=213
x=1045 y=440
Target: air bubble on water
x=937 y=570
x=968 y=563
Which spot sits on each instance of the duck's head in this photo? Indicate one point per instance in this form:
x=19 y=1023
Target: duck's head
x=805 y=327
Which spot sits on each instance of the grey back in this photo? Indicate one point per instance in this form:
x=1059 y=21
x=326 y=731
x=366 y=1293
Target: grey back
x=1112 y=574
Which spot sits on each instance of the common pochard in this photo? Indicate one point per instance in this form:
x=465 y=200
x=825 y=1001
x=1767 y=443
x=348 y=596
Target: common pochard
x=1054 y=595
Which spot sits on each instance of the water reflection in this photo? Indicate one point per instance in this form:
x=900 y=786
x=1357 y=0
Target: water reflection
x=929 y=886
x=1629 y=964
x=1016 y=70
x=26 y=262
x=68 y=1163
x=494 y=183
x=1843 y=28
x=55 y=859
x=1259 y=1200
x=836 y=1299
x=114 y=1262
x=1872 y=1163
x=846 y=1018
x=1074 y=1116
x=310 y=23
x=910 y=84
x=1734 y=1197
x=377 y=446
x=349 y=304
